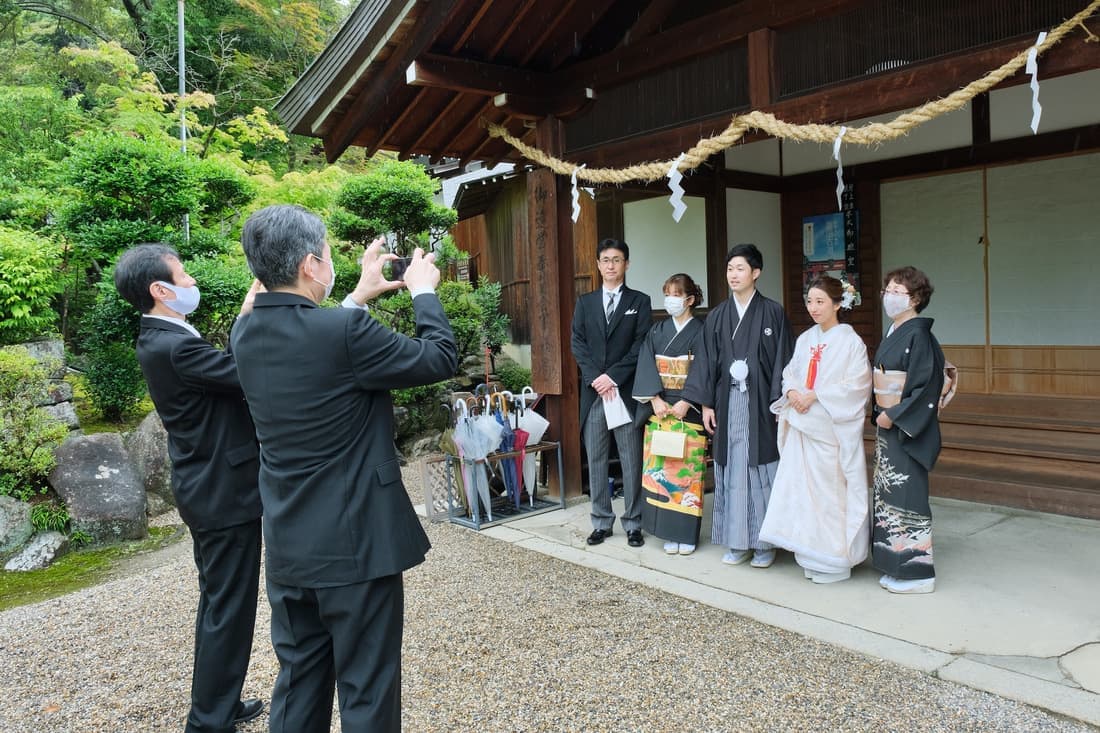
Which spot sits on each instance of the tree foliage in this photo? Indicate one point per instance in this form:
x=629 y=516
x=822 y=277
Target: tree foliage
x=29 y=280
x=395 y=197
x=28 y=435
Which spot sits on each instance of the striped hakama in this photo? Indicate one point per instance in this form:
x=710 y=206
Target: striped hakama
x=741 y=491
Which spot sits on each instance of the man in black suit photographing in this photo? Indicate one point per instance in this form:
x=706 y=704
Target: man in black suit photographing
x=339 y=528
x=215 y=463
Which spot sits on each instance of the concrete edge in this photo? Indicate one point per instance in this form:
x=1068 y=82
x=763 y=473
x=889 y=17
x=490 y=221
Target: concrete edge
x=1061 y=699
x=1050 y=696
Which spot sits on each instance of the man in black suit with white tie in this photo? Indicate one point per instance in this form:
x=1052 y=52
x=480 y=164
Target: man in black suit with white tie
x=215 y=465
x=609 y=325
x=339 y=527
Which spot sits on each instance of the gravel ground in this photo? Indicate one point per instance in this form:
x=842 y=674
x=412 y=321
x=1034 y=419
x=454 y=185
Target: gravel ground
x=497 y=638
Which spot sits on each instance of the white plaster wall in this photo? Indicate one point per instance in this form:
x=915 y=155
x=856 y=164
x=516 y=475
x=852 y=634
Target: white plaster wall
x=659 y=246
x=761 y=156
x=754 y=216
x=947 y=131
x=1045 y=252
x=934 y=224
x=1068 y=101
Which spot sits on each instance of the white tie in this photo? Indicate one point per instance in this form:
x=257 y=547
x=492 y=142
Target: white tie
x=610 y=306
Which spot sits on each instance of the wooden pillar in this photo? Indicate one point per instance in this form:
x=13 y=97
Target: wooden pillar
x=717 y=289
x=761 y=62
x=552 y=297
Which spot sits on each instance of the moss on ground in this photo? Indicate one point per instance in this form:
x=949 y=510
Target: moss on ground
x=78 y=569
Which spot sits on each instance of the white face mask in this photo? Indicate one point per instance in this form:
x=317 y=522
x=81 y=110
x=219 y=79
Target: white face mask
x=675 y=305
x=187 y=299
x=895 y=304
x=332 y=276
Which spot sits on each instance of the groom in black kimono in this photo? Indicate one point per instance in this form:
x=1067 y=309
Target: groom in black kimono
x=609 y=325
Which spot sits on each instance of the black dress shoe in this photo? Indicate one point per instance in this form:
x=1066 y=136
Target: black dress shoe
x=598 y=536
x=634 y=538
x=247 y=710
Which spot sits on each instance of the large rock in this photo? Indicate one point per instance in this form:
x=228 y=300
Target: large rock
x=15 y=525
x=105 y=496
x=147 y=445
x=39 y=552
x=49 y=351
x=65 y=412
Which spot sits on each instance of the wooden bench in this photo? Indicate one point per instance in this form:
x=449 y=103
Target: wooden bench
x=1034 y=452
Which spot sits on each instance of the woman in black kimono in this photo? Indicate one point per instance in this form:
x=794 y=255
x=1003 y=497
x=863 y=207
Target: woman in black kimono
x=663 y=365
x=908 y=379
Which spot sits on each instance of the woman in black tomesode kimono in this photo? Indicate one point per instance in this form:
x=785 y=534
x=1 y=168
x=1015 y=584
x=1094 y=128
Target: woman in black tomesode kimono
x=672 y=509
x=908 y=379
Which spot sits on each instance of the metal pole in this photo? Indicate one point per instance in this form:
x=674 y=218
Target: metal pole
x=183 y=110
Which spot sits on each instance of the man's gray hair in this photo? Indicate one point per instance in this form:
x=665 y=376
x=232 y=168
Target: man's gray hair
x=276 y=238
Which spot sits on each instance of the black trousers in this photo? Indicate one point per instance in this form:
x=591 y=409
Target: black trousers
x=228 y=561
x=350 y=636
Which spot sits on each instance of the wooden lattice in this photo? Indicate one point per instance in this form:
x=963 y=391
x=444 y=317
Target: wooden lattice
x=433 y=476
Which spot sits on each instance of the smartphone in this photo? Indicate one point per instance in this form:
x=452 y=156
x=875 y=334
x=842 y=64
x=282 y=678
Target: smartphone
x=398 y=267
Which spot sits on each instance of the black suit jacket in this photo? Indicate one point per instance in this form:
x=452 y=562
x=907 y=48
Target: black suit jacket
x=317 y=382
x=211 y=441
x=609 y=348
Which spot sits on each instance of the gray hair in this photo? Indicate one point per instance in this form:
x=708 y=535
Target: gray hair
x=276 y=238
x=140 y=267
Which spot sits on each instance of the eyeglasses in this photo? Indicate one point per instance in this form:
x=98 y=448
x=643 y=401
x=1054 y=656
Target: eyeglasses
x=892 y=292
x=611 y=260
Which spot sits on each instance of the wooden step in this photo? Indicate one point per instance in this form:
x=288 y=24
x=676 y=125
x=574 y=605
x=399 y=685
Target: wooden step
x=1053 y=444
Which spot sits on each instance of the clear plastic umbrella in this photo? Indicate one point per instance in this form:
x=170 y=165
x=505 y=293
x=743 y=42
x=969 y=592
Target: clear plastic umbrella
x=461 y=438
x=535 y=426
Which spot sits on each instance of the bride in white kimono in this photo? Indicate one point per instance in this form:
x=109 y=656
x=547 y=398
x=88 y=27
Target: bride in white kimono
x=819 y=504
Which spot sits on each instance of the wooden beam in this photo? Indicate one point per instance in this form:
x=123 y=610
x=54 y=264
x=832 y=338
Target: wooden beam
x=529 y=107
x=595 y=10
x=1043 y=145
x=761 y=59
x=374 y=95
x=911 y=86
x=699 y=37
x=461 y=41
x=903 y=88
x=395 y=125
x=439 y=118
x=648 y=21
x=717 y=236
x=476 y=77
x=517 y=18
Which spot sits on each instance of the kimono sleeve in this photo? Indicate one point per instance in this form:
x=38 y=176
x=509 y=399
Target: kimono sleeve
x=647 y=382
x=702 y=375
x=845 y=398
x=921 y=394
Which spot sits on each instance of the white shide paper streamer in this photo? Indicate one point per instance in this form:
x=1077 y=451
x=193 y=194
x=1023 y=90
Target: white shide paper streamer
x=576 y=193
x=1033 y=69
x=677 y=197
x=839 y=168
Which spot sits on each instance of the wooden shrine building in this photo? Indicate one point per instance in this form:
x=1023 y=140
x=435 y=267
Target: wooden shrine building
x=1002 y=220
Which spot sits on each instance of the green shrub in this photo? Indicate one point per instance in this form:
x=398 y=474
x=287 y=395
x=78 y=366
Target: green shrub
x=110 y=319
x=396 y=197
x=223 y=284
x=49 y=515
x=29 y=280
x=114 y=380
x=513 y=376
x=422 y=404
x=28 y=435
